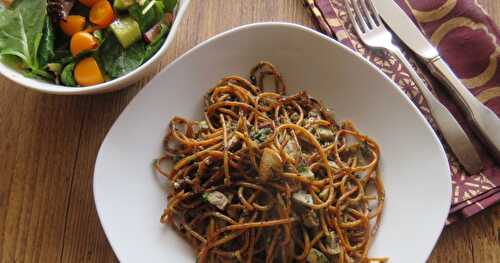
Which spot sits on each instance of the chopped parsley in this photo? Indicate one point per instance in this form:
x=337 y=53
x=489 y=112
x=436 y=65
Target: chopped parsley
x=262 y=134
x=302 y=168
x=365 y=150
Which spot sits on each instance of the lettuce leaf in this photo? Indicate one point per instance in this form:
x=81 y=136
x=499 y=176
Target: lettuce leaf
x=46 y=49
x=21 y=29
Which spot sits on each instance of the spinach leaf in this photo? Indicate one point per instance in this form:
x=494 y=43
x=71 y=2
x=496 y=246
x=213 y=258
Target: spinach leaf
x=46 y=49
x=67 y=77
x=154 y=46
x=152 y=16
x=117 y=61
x=62 y=56
x=170 y=5
x=21 y=28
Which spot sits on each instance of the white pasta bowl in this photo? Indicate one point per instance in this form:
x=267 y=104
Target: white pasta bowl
x=109 y=86
x=130 y=198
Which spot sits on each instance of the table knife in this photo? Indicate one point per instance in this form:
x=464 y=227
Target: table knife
x=485 y=122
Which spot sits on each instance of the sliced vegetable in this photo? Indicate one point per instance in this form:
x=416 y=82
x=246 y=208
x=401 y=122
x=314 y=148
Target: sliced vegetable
x=99 y=35
x=303 y=198
x=153 y=33
x=324 y=194
x=82 y=41
x=67 y=77
x=270 y=163
x=88 y=3
x=148 y=7
x=310 y=219
x=87 y=72
x=316 y=256
x=56 y=69
x=306 y=172
x=325 y=134
x=102 y=13
x=72 y=24
x=157 y=43
x=217 y=199
x=127 y=31
x=123 y=4
x=151 y=17
x=332 y=243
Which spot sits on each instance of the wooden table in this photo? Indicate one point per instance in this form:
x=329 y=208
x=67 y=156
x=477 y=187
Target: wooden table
x=48 y=146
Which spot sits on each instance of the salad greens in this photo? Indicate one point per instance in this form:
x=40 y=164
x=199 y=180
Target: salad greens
x=46 y=50
x=67 y=75
x=146 y=21
x=21 y=30
x=117 y=61
x=32 y=38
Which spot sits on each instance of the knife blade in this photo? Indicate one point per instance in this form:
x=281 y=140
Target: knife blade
x=485 y=122
x=406 y=30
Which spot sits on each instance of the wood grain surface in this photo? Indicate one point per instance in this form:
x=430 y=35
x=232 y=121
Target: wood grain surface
x=48 y=146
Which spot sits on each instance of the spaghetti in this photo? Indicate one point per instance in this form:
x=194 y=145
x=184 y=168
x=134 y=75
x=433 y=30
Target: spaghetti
x=271 y=178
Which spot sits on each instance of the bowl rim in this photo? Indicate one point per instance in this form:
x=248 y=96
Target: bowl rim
x=295 y=26
x=109 y=86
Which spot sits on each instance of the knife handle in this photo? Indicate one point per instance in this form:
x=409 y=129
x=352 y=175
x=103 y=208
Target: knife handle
x=452 y=132
x=486 y=123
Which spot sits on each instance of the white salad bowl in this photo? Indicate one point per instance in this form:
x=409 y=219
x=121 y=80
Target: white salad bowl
x=112 y=85
x=130 y=197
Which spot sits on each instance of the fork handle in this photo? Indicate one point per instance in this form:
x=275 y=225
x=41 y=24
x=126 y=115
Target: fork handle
x=452 y=132
x=484 y=120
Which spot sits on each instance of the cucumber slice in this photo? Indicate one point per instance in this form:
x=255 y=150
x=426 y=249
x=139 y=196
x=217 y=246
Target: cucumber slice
x=126 y=30
x=123 y=4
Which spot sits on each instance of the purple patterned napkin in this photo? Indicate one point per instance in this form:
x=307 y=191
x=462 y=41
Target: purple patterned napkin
x=467 y=39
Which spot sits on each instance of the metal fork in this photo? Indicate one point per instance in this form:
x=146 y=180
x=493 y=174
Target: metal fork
x=374 y=34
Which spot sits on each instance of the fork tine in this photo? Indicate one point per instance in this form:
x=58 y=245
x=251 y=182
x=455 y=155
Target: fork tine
x=375 y=13
x=360 y=15
x=368 y=14
x=357 y=27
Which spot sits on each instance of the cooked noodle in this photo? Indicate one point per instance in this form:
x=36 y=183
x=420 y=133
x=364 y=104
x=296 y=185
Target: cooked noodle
x=271 y=178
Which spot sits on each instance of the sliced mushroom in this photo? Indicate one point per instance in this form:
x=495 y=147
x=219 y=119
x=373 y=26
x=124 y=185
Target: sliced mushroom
x=332 y=243
x=303 y=198
x=325 y=134
x=217 y=199
x=292 y=149
x=329 y=115
x=315 y=256
x=270 y=163
x=334 y=165
x=324 y=194
x=306 y=172
x=203 y=125
x=310 y=219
